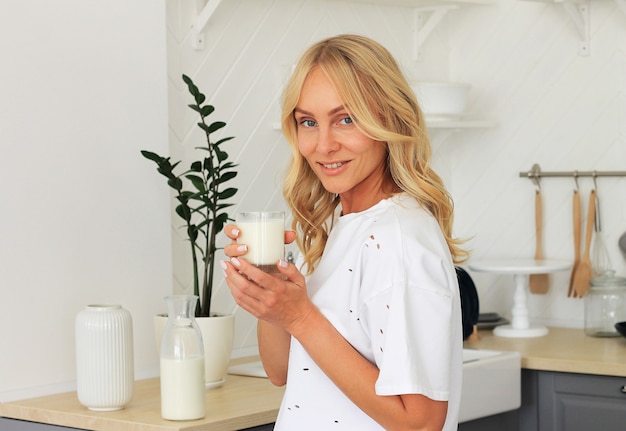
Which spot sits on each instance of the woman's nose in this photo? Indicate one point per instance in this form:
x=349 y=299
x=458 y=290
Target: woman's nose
x=326 y=141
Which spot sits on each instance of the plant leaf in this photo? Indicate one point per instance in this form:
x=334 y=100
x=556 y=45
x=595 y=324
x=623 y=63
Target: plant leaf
x=152 y=156
x=198 y=182
x=192 y=232
x=228 y=193
x=220 y=221
x=207 y=110
x=216 y=126
x=228 y=165
x=221 y=155
x=204 y=127
x=221 y=141
x=226 y=176
x=175 y=183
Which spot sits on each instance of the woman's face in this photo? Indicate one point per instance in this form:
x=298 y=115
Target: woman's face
x=345 y=160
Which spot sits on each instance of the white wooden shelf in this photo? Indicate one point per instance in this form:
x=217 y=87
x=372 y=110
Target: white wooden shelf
x=428 y=14
x=204 y=15
x=580 y=14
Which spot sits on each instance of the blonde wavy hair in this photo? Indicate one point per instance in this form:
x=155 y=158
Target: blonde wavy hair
x=378 y=97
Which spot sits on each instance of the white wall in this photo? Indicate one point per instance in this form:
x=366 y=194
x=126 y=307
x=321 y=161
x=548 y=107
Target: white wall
x=553 y=107
x=84 y=217
x=556 y=108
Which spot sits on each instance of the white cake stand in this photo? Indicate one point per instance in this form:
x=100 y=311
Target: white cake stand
x=520 y=326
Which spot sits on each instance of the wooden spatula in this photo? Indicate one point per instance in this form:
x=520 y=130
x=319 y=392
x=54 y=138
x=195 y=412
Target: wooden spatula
x=576 y=216
x=584 y=272
x=538 y=283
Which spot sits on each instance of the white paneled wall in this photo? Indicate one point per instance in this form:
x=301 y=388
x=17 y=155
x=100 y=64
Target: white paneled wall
x=553 y=107
x=84 y=217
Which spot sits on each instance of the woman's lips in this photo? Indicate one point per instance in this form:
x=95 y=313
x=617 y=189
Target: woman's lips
x=332 y=165
x=333 y=168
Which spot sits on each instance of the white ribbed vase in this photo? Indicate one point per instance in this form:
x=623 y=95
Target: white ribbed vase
x=104 y=357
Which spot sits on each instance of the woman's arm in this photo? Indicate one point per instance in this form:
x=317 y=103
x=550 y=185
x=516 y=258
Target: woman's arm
x=274 y=342
x=285 y=305
x=274 y=345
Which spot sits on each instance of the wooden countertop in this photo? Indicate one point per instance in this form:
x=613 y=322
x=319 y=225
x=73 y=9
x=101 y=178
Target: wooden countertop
x=242 y=402
x=251 y=401
x=563 y=349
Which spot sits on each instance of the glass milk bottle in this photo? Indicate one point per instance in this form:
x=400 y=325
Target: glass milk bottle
x=182 y=362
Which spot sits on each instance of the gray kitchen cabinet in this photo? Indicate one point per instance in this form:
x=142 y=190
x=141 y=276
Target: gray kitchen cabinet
x=581 y=402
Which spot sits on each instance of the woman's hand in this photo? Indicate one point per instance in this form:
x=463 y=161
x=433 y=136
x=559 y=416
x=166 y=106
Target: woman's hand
x=280 y=299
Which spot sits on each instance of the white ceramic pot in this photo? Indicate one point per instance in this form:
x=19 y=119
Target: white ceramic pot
x=441 y=98
x=104 y=357
x=218 y=333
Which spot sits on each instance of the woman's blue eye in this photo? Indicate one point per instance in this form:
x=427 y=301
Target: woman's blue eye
x=308 y=123
x=346 y=120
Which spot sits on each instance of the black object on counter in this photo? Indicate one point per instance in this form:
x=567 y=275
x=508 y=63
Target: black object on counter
x=469 y=301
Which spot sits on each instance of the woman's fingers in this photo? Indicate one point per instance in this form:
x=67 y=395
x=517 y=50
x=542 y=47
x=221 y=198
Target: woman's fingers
x=235 y=250
x=245 y=292
x=231 y=231
x=292 y=274
x=290 y=236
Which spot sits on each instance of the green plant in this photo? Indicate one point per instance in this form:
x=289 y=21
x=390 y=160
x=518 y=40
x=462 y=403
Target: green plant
x=200 y=196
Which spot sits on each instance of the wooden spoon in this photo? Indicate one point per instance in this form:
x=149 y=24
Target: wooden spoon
x=584 y=272
x=538 y=283
x=576 y=215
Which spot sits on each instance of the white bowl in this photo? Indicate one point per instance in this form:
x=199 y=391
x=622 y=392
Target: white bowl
x=442 y=98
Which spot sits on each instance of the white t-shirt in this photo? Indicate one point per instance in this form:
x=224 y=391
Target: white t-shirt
x=386 y=281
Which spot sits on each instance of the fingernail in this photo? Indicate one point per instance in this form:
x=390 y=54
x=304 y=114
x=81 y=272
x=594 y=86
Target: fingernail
x=235 y=262
x=223 y=265
x=283 y=263
x=242 y=247
x=235 y=232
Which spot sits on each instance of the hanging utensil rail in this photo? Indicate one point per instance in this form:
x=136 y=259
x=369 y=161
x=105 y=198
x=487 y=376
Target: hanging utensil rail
x=535 y=173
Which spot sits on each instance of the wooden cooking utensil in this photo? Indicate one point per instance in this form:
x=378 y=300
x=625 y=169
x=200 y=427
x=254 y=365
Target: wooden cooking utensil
x=576 y=216
x=584 y=272
x=538 y=283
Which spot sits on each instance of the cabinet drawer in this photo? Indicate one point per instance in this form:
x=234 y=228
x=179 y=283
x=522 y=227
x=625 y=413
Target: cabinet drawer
x=601 y=386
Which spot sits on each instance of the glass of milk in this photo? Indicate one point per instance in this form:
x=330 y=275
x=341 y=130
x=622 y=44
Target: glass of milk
x=264 y=234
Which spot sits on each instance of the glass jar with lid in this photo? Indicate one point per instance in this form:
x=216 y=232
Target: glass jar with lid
x=605 y=305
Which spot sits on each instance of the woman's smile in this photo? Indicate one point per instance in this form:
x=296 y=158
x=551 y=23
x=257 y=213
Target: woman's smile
x=333 y=166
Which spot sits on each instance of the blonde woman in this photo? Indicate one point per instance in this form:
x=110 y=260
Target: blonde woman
x=365 y=330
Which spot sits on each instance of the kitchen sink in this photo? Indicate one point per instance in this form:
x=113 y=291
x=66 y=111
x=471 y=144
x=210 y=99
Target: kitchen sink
x=491 y=383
